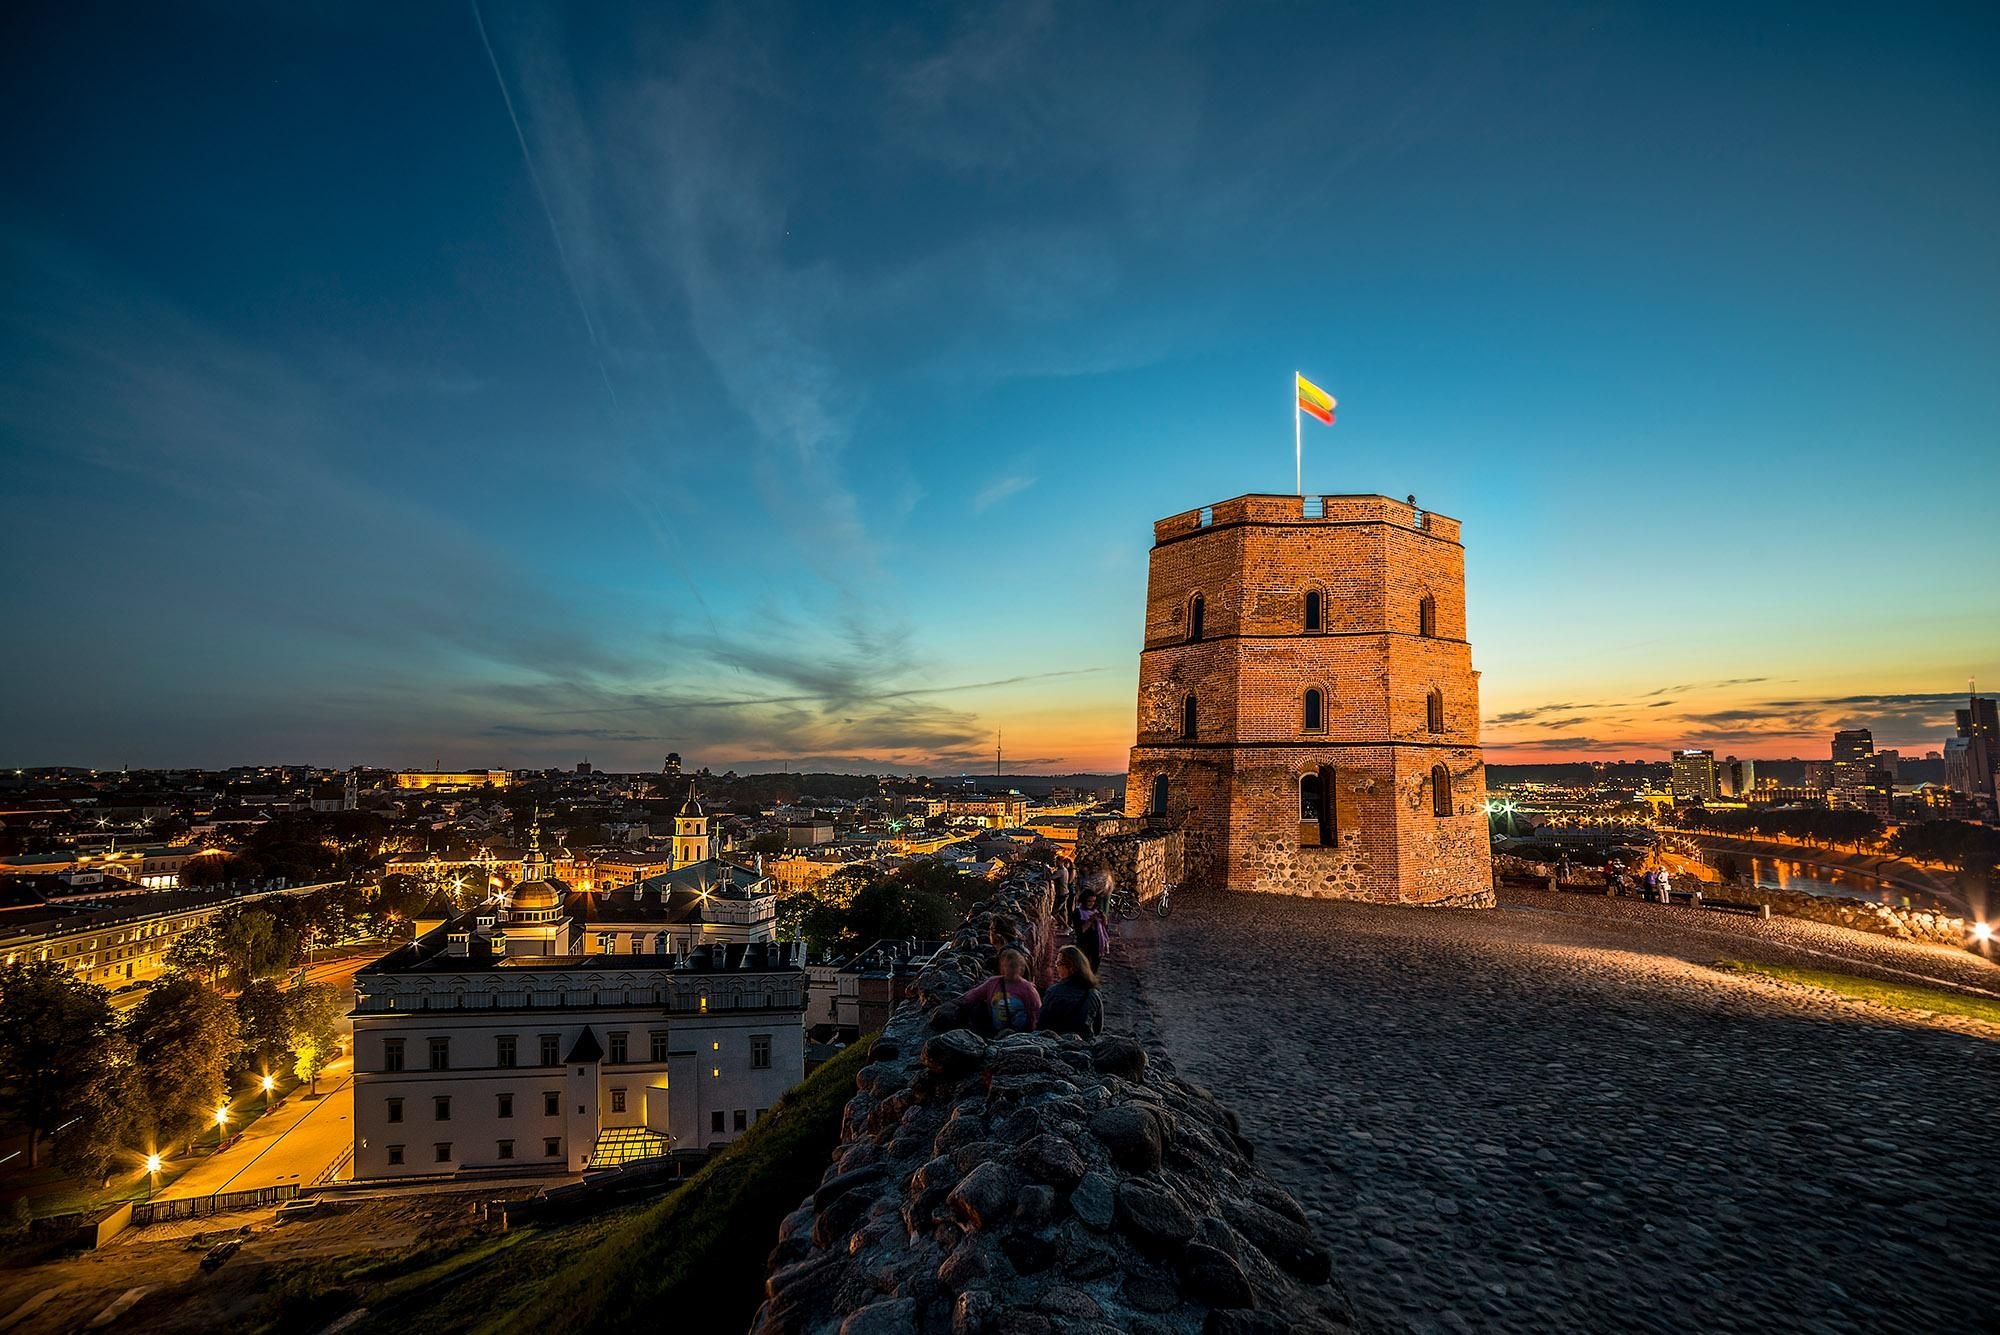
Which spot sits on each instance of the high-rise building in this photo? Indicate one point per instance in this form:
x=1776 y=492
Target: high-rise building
x=1308 y=711
x=1979 y=727
x=1853 y=758
x=1890 y=763
x=1694 y=777
x=1737 y=778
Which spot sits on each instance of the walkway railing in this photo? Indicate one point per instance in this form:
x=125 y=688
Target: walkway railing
x=197 y=1207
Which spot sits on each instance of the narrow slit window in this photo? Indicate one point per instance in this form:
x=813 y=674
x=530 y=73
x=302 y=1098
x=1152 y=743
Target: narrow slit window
x=1434 y=711
x=1427 y=617
x=1312 y=610
x=1317 y=826
x=1189 y=719
x=1440 y=791
x=1315 y=712
x=1197 y=606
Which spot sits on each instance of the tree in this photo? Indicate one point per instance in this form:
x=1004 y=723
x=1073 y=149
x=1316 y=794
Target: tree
x=806 y=916
x=315 y=1008
x=58 y=1050
x=255 y=942
x=264 y=1021
x=887 y=910
x=105 y=1129
x=196 y=953
x=207 y=869
x=183 y=1035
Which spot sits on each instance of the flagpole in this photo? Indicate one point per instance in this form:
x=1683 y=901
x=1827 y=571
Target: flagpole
x=1298 y=441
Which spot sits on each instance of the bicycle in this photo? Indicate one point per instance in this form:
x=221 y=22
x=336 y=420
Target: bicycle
x=1164 y=904
x=1125 y=903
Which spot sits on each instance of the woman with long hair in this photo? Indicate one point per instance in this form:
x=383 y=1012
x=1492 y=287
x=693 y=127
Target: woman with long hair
x=1072 y=1005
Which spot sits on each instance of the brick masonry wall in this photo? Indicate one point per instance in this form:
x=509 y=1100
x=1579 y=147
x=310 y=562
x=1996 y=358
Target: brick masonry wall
x=1234 y=785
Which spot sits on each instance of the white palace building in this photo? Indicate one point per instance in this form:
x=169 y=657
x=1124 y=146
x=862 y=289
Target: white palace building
x=562 y=1029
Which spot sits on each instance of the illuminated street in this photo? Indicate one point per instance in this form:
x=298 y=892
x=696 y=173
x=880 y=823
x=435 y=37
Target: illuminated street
x=298 y=1141
x=294 y=1144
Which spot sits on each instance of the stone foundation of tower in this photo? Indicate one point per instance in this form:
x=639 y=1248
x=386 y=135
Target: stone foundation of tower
x=1255 y=604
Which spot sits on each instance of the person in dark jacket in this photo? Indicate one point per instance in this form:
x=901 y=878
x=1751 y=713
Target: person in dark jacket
x=1072 y=1004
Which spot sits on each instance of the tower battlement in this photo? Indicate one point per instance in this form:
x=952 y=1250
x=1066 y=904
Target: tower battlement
x=1308 y=713
x=1264 y=509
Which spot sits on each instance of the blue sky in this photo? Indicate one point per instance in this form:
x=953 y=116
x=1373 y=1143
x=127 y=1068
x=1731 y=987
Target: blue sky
x=799 y=385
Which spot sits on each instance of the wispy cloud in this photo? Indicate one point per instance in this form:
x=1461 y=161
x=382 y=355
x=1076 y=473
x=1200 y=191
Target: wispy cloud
x=998 y=490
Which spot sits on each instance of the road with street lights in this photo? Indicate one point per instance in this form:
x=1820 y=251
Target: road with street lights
x=294 y=1143
x=299 y=1139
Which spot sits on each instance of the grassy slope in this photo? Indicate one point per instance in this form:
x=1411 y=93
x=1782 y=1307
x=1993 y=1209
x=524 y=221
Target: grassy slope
x=696 y=1257
x=1899 y=996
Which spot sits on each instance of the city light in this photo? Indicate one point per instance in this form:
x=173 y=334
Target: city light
x=267 y=1083
x=1982 y=931
x=152 y=1163
x=221 y=1116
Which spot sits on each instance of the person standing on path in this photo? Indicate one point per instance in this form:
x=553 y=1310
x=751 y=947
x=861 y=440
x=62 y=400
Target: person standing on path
x=1090 y=930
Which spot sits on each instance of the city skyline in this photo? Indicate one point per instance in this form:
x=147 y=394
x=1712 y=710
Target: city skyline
x=801 y=394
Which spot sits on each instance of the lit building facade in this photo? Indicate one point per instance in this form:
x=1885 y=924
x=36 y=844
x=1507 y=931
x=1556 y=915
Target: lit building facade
x=453 y=780
x=560 y=1029
x=1694 y=776
x=1308 y=713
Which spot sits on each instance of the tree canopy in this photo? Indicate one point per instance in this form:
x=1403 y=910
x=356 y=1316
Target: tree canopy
x=184 y=1036
x=61 y=1058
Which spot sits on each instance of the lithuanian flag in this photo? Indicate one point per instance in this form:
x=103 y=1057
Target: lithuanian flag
x=1315 y=401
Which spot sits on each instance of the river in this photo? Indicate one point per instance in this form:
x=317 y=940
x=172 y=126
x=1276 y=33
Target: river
x=1808 y=878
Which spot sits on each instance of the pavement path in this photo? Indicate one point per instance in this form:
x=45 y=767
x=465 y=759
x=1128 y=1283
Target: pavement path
x=293 y=1143
x=1556 y=1116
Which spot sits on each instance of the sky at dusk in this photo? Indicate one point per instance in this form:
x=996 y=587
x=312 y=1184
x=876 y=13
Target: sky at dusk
x=389 y=384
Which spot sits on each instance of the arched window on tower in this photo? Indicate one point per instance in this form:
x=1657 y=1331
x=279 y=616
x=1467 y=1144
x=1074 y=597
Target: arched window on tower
x=1188 y=719
x=1427 y=617
x=1316 y=814
x=1315 y=711
x=1159 y=795
x=1196 y=606
x=1313 y=610
x=1440 y=791
x=1434 y=710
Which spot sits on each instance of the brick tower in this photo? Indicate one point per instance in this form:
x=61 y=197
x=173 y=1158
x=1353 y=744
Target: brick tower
x=1308 y=712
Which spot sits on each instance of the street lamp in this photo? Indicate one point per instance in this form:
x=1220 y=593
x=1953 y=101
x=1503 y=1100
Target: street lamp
x=265 y=1084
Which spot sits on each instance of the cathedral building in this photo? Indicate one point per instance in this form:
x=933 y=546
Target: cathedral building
x=558 y=1029
x=1308 y=710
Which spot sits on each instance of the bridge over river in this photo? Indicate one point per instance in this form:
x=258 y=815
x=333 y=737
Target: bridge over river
x=1557 y=1116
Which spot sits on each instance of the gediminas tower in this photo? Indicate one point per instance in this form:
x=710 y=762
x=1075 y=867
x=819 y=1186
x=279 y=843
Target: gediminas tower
x=1308 y=712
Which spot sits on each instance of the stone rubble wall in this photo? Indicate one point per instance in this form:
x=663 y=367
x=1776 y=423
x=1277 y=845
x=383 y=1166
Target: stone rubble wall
x=1132 y=854
x=1037 y=1184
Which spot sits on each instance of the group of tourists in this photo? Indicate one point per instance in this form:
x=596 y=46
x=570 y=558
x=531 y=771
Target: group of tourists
x=1009 y=1002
